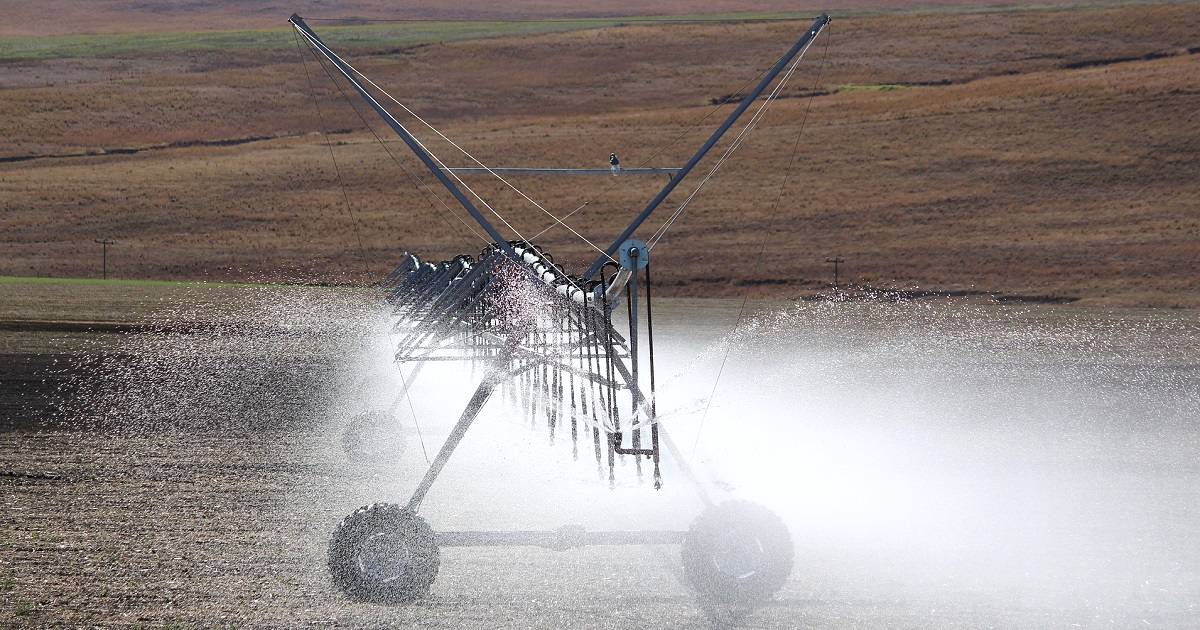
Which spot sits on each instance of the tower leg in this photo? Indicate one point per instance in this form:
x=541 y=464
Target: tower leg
x=478 y=400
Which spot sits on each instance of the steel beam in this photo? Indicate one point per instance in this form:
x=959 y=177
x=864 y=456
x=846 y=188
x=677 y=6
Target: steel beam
x=456 y=435
x=648 y=170
x=405 y=135
x=708 y=145
x=563 y=538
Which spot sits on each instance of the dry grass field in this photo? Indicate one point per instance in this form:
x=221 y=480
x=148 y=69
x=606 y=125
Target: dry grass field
x=1047 y=153
x=65 y=17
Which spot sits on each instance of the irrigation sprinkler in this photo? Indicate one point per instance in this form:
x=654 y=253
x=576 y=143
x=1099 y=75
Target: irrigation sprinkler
x=545 y=341
x=104 y=243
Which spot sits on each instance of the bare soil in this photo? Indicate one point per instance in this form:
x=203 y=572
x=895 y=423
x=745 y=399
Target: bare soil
x=203 y=530
x=222 y=518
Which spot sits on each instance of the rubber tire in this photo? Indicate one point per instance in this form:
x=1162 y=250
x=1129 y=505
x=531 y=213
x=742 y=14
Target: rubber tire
x=346 y=549
x=373 y=437
x=757 y=542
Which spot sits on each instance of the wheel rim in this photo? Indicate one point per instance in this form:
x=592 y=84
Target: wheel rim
x=738 y=557
x=383 y=557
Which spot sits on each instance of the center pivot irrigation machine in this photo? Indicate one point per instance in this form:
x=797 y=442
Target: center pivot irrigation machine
x=546 y=340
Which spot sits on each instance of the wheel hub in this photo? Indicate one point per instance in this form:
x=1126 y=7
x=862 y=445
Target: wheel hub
x=383 y=557
x=738 y=557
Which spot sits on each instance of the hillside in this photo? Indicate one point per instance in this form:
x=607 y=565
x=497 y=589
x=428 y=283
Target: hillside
x=70 y=17
x=1038 y=153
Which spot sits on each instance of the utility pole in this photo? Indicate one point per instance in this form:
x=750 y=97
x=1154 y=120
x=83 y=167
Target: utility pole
x=104 y=243
x=836 y=261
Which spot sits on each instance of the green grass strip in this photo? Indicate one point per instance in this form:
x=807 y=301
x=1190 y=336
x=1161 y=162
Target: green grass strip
x=370 y=36
x=870 y=87
x=407 y=34
x=116 y=282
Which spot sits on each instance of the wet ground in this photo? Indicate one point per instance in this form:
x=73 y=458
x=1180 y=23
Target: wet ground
x=938 y=465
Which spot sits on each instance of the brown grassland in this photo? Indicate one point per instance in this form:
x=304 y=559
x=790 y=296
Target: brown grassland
x=66 y=17
x=1035 y=153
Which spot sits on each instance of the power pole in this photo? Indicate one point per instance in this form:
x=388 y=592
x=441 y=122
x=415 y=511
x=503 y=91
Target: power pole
x=104 y=243
x=836 y=261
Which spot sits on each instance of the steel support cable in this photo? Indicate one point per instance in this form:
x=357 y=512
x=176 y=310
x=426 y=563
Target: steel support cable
x=487 y=168
x=729 y=151
x=599 y=22
x=559 y=221
x=432 y=155
x=362 y=257
x=312 y=92
x=476 y=161
x=668 y=145
x=758 y=259
x=430 y=197
x=734 y=146
x=413 y=411
x=404 y=396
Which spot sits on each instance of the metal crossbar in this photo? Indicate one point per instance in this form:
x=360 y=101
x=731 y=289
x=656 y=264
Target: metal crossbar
x=641 y=170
